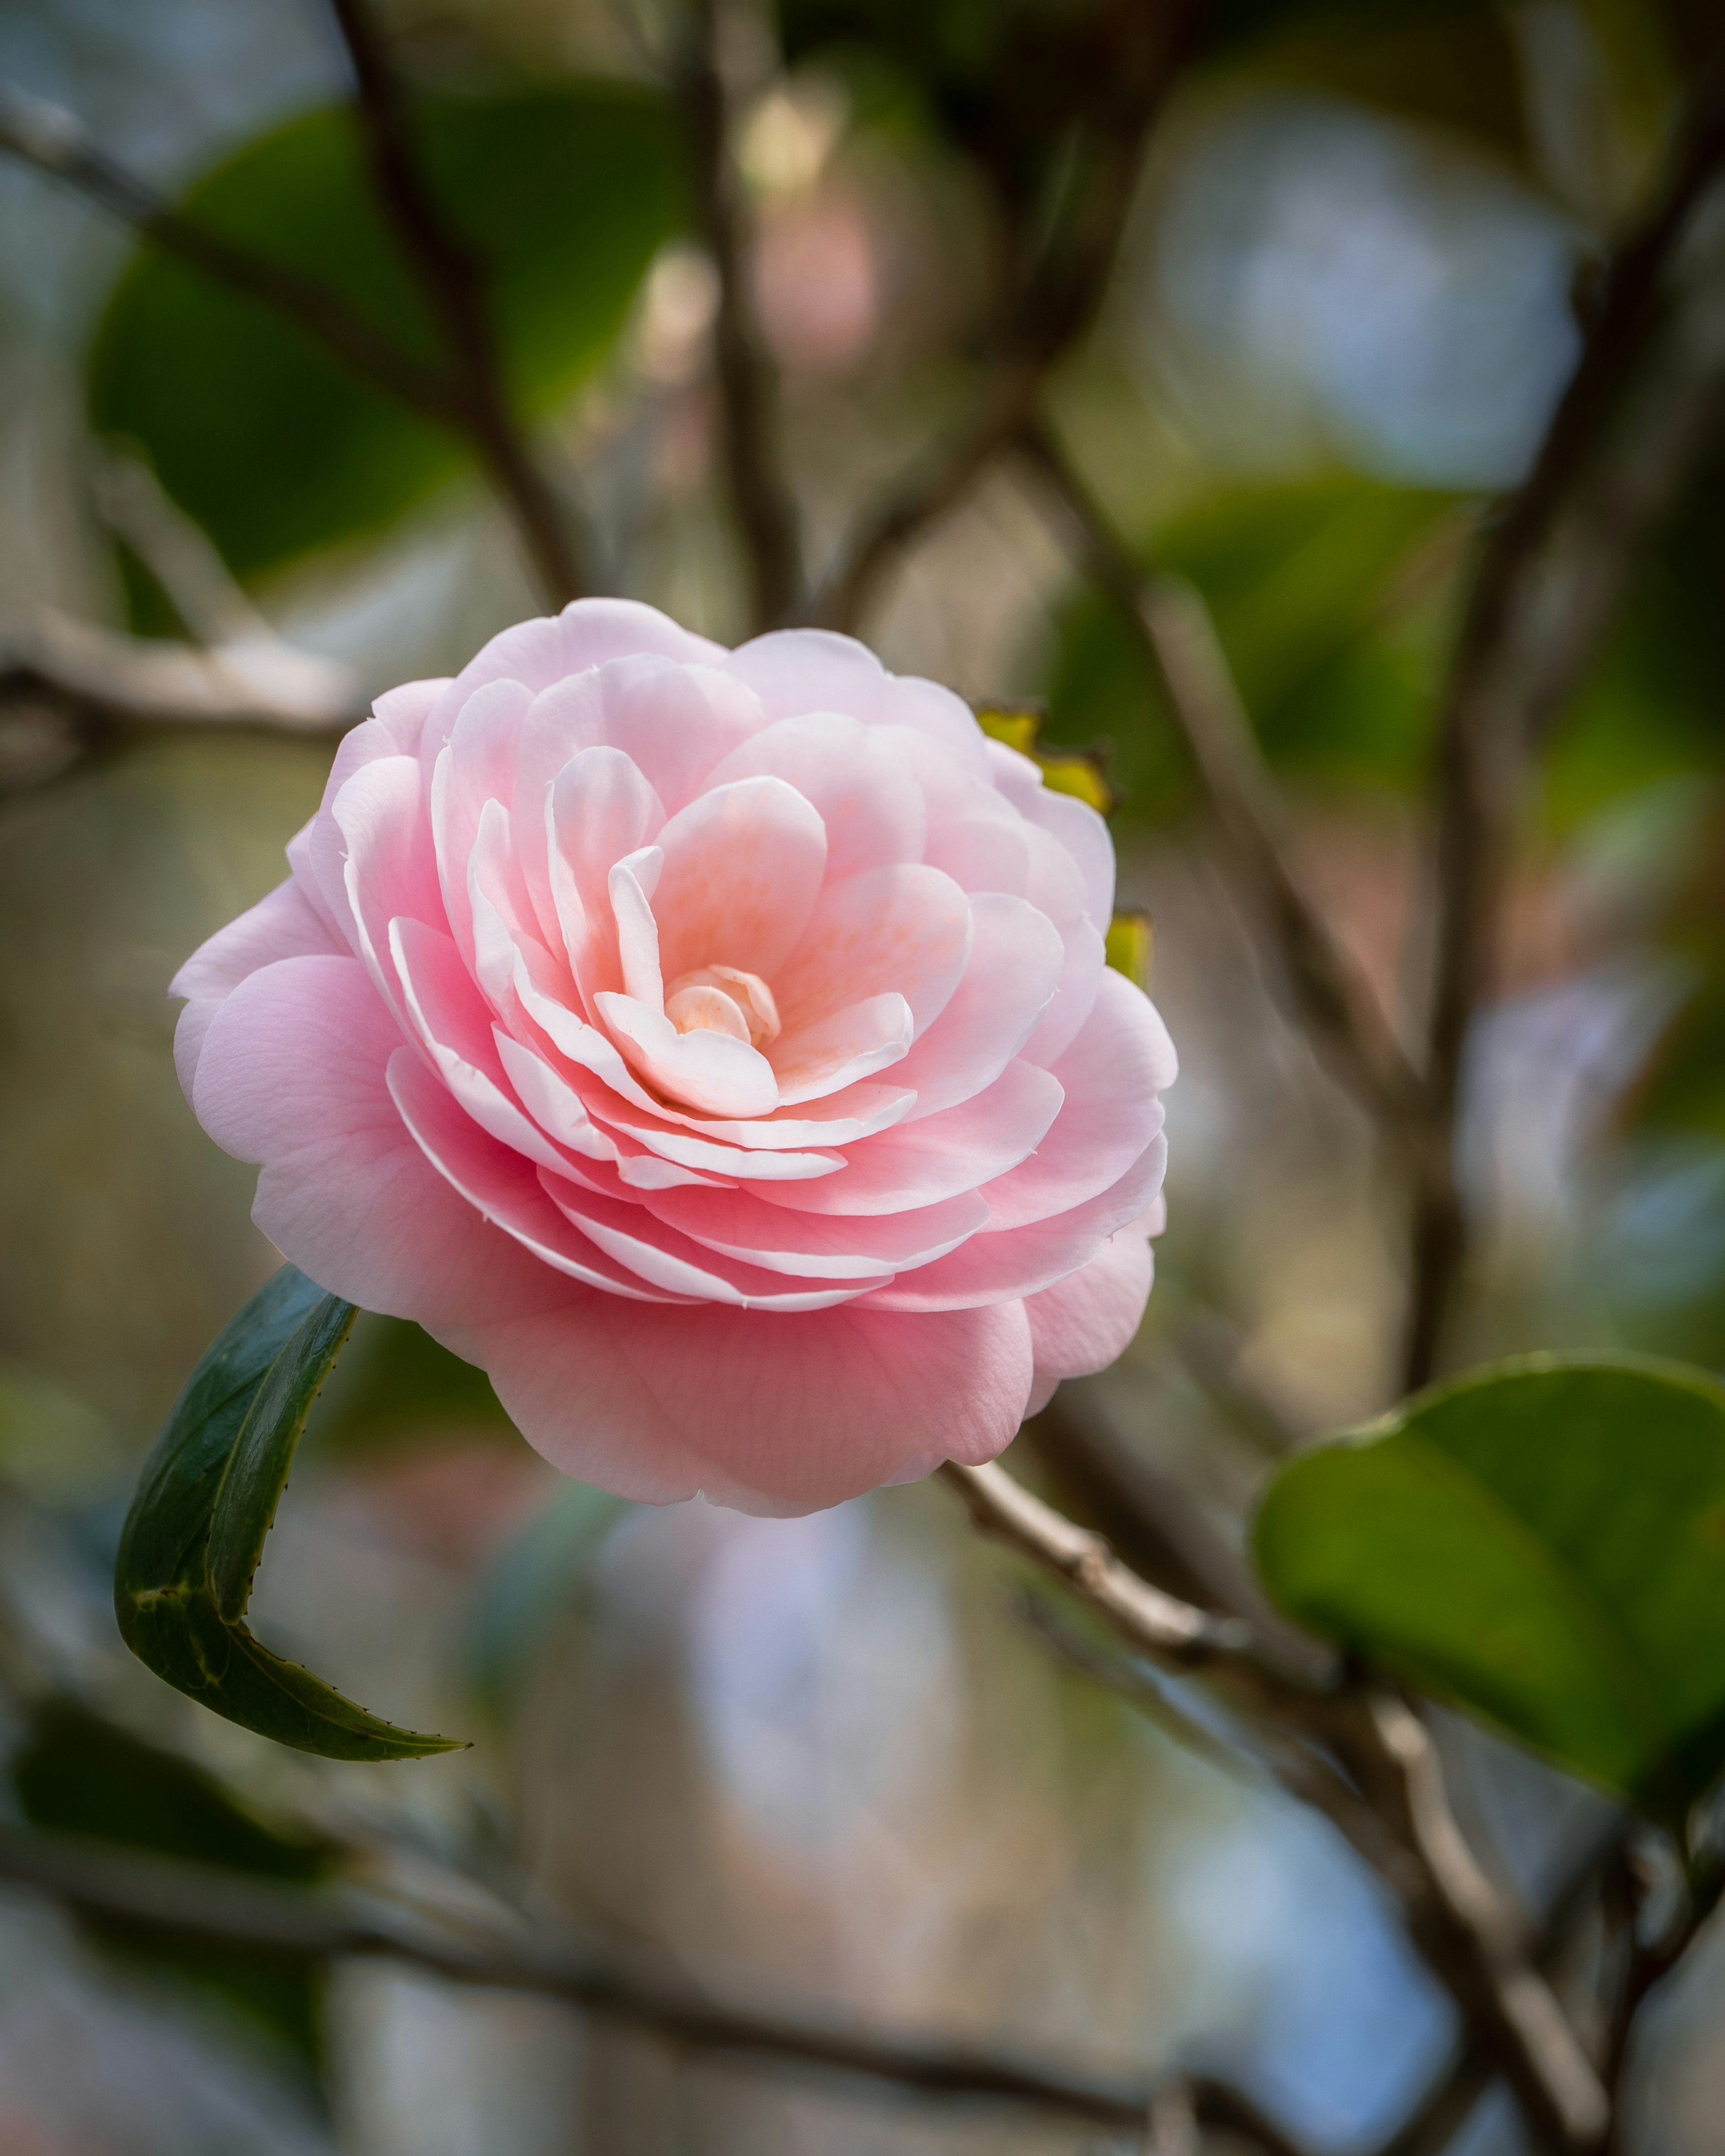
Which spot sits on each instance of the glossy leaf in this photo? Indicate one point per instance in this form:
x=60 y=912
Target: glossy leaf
x=203 y=1505
x=1540 y=1541
x=268 y=441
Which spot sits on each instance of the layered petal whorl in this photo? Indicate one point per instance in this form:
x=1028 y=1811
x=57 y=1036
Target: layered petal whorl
x=714 y=1046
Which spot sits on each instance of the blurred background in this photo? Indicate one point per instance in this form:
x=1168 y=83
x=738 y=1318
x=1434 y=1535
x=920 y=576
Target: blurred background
x=836 y=1756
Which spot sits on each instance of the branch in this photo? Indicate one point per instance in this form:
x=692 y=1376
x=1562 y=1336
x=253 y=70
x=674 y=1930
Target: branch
x=151 y=681
x=52 y=141
x=1395 y=1814
x=1510 y=675
x=761 y=494
x=1340 y=1012
x=454 y=282
x=1058 y=305
x=166 y=1898
x=43 y=135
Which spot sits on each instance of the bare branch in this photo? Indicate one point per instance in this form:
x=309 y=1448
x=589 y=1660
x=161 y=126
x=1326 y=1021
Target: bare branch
x=454 y=283
x=151 y=681
x=1535 y=613
x=1046 y=319
x=1340 y=1010
x=164 y=1898
x=1395 y=1813
x=43 y=135
x=52 y=140
x=760 y=493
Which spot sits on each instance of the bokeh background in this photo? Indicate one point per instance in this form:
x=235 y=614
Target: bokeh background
x=834 y=1754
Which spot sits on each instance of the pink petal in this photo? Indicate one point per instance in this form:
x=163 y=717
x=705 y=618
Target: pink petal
x=600 y=808
x=403 y=712
x=292 y=1074
x=675 y=722
x=588 y=633
x=321 y=847
x=476 y=767
x=772 y=1414
x=450 y=1019
x=796 y=672
x=391 y=868
x=827 y=1052
x=963 y=1148
x=283 y=925
x=903 y=930
x=1023 y=1261
x=1073 y=823
x=704 y=1071
x=743 y=867
x=667 y=1261
x=820 y=1246
x=943 y=717
x=1016 y=960
x=1112 y=1075
x=1087 y=1320
x=866 y=797
x=499 y=1184
x=1084 y=961
x=632 y=883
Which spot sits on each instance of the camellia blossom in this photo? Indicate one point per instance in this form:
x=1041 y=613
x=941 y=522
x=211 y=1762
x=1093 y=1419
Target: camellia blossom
x=714 y=1046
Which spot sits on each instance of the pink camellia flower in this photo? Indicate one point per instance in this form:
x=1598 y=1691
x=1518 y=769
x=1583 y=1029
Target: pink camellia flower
x=714 y=1046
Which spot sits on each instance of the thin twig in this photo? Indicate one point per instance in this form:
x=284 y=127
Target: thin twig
x=165 y=1898
x=51 y=140
x=1495 y=704
x=1341 y=1010
x=452 y=280
x=43 y=135
x=1046 y=319
x=760 y=493
x=1399 y=1820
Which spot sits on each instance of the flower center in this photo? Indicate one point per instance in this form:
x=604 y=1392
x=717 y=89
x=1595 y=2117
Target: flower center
x=723 y=999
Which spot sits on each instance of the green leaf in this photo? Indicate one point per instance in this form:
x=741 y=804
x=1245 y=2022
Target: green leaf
x=204 y=1504
x=1543 y=1542
x=75 y=1772
x=268 y=440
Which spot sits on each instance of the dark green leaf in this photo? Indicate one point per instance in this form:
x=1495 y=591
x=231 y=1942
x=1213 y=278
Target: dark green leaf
x=1543 y=1542
x=257 y=1470
x=264 y=438
x=77 y=1773
x=204 y=1503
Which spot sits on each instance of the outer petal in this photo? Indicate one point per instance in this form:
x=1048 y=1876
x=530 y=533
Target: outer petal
x=1024 y=1261
x=1085 y=1322
x=775 y=1414
x=586 y=634
x=1112 y=1073
x=292 y=1074
x=285 y=925
x=1015 y=964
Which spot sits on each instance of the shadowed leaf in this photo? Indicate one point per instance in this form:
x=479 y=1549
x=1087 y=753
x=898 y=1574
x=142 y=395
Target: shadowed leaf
x=203 y=1506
